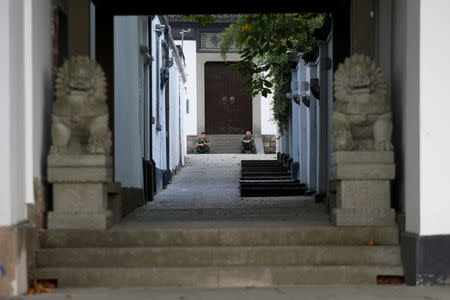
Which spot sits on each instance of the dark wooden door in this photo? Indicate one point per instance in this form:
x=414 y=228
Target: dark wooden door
x=228 y=105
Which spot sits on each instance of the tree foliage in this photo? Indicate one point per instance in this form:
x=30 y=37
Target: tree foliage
x=264 y=41
x=202 y=19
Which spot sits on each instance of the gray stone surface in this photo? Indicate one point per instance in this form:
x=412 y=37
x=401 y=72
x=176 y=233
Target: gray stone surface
x=362 y=157
x=363 y=216
x=363 y=193
x=79 y=197
x=213 y=233
x=80 y=191
x=259 y=145
x=253 y=293
x=98 y=220
x=200 y=233
x=361 y=181
x=219 y=276
x=218 y=256
x=207 y=189
x=79 y=160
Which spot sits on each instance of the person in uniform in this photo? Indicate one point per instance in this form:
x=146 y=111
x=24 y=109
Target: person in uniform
x=248 y=143
x=202 y=145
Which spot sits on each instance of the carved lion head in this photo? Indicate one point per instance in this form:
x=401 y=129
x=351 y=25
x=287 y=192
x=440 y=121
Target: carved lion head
x=81 y=76
x=359 y=80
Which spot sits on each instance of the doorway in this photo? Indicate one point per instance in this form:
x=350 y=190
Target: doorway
x=228 y=104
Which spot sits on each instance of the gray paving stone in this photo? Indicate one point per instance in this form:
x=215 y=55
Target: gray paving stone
x=207 y=189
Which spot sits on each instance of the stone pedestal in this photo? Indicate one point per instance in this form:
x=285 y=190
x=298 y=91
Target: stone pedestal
x=362 y=183
x=80 y=191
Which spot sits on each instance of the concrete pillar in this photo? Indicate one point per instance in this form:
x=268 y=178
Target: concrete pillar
x=13 y=268
x=295 y=119
x=302 y=115
x=420 y=84
x=313 y=107
x=324 y=119
x=434 y=116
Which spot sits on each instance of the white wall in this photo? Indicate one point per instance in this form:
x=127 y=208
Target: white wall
x=27 y=30
x=268 y=124
x=159 y=136
x=174 y=116
x=127 y=103
x=12 y=107
x=42 y=86
x=434 y=117
x=190 y=54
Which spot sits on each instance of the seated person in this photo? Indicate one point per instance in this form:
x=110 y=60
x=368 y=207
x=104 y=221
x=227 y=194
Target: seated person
x=248 y=143
x=202 y=145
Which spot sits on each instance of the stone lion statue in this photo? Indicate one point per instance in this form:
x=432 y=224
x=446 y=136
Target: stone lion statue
x=80 y=113
x=362 y=118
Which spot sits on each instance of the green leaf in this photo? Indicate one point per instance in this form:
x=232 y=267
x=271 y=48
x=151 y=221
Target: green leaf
x=203 y=19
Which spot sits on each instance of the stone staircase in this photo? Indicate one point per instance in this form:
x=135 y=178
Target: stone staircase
x=225 y=143
x=220 y=256
x=262 y=178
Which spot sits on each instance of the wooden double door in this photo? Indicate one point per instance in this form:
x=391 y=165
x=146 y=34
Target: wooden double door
x=228 y=104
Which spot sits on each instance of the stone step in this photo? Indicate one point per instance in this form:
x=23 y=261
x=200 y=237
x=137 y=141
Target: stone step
x=225 y=141
x=220 y=236
x=265 y=173
x=267 y=181
x=262 y=170
x=226 y=147
x=213 y=277
x=218 y=256
x=219 y=151
x=261 y=162
x=225 y=136
x=272 y=191
x=236 y=148
x=265 y=178
x=272 y=184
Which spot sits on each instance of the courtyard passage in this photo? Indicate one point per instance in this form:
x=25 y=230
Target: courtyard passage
x=207 y=189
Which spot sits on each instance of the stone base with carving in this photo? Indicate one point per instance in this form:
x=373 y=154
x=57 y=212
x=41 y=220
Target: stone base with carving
x=362 y=183
x=80 y=191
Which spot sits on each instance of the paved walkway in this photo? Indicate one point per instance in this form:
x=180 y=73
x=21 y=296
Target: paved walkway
x=207 y=189
x=285 y=293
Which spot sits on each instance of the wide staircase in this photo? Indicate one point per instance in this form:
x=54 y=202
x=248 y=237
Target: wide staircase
x=225 y=143
x=221 y=256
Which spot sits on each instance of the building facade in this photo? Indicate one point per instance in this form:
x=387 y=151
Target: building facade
x=218 y=101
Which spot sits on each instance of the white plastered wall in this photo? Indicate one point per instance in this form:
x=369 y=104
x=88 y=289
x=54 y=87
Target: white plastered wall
x=127 y=103
x=39 y=84
x=12 y=117
x=190 y=54
x=177 y=135
x=434 y=116
x=159 y=136
x=268 y=124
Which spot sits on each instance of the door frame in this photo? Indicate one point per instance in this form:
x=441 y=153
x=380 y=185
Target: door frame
x=202 y=59
x=230 y=76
